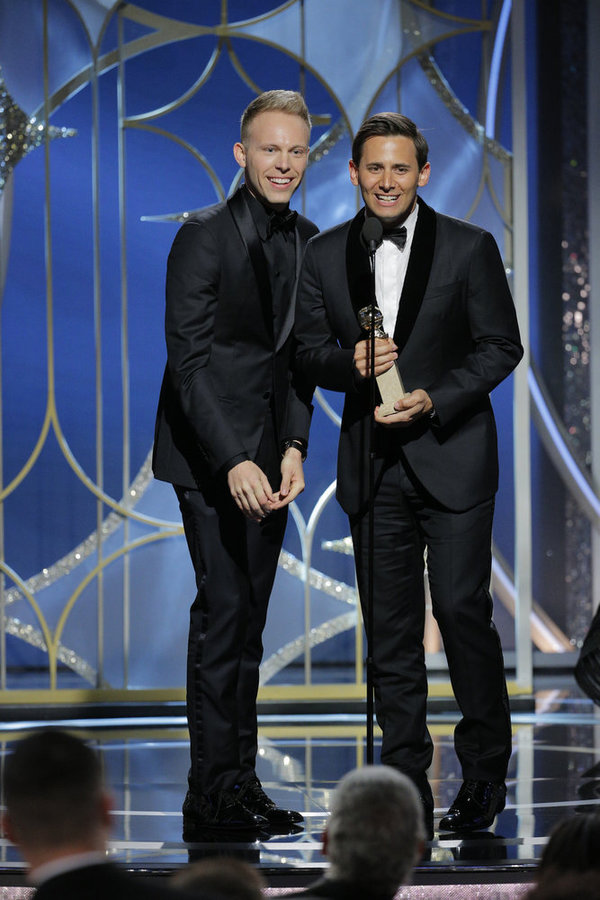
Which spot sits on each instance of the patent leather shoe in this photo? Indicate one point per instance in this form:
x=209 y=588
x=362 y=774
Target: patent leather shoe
x=426 y=798
x=476 y=806
x=220 y=811
x=427 y=816
x=251 y=795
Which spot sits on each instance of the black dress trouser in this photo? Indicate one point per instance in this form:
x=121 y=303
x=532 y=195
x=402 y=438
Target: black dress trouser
x=458 y=546
x=235 y=563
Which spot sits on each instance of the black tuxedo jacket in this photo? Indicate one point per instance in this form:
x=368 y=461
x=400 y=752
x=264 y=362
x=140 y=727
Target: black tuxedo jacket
x=224 y=360
x=457 y=338
x=105 y=881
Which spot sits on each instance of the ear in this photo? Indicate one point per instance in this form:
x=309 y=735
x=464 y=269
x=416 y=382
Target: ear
x=353 y=172
x=7 y=828
x=424 y=174
x=324 y=842
x=106 y=807
x=419 y=851
x=239 y=153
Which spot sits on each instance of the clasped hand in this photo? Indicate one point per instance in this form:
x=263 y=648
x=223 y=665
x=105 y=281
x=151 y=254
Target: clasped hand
x=252 y=493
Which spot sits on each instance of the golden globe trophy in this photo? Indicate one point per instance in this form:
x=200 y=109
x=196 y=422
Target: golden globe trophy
x=389 y=382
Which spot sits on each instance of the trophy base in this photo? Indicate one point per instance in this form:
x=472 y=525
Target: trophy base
x=391 y=389
x=387 y=409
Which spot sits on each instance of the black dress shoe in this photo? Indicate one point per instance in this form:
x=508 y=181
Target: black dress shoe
x=427 y=816
x=220 y=811
x=426 y=798
x=251 y=795
x=476 y=806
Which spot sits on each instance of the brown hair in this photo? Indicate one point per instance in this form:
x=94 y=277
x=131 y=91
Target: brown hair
x=389 y=124
x=53 y=789
x=290 y=102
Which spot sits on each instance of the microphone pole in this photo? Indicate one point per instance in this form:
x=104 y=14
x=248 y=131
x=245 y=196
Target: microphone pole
x=371 y=237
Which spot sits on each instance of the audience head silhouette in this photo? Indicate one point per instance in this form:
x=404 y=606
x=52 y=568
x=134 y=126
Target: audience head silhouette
x=375 y=833
x=573 y=846
x=222 y=875
x=54 y=797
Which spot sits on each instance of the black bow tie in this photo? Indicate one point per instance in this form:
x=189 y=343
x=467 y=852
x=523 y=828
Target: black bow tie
x=397 y=236
x=282 y=222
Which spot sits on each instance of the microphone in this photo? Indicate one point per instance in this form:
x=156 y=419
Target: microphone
x=371 y=235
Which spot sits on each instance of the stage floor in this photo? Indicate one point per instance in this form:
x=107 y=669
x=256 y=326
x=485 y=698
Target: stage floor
x=554 y=772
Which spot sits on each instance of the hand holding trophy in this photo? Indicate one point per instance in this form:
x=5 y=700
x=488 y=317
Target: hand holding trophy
x=389 y=382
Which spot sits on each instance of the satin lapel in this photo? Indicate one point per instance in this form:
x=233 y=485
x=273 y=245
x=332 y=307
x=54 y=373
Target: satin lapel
x=357 y=265
x=245 y=225
x=417 y=274
x=288 y=321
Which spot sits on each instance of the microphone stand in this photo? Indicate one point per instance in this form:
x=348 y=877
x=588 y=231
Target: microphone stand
x=371 y=520
x=371 y=235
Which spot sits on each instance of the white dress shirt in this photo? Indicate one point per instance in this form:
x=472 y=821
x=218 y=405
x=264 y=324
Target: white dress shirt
x=391 y=264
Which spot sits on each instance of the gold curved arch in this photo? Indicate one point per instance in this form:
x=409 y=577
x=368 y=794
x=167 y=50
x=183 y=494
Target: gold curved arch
x=35 y=453
x=479 y=192
x=496 y=199
x=109 y=14
x=483 y=24
x=239 y=68
x=216 y=181
x=187 y=95
x=4 y=567
x=97 y=570
x=126 y=511
x=414 y=54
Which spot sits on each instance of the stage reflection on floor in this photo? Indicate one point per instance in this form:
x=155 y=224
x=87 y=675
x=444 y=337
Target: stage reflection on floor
x=554 y=772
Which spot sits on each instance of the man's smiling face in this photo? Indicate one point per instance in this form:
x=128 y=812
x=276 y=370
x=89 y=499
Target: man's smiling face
x=274 y=156
x=388 y=176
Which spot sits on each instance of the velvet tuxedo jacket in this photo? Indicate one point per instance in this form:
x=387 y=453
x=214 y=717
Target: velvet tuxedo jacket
x=457 y=338
x=225 y=364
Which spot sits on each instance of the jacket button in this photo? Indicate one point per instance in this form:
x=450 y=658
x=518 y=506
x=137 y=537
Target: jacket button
x=266 y=395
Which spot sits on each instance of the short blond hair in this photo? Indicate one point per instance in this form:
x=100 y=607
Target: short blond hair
x=290 y=102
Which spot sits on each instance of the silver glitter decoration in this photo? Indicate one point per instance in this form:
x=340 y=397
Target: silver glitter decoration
x=20 y=134
x=575 y=199
x=327 y=142
x=342 y=545
x=89 y=545
x=318 y=580
x=460 y=112
x=34 y=637
x=291 y=651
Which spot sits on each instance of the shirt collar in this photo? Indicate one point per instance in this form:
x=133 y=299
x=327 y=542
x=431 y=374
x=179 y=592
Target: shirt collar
x=65 y=864
x=410 y=223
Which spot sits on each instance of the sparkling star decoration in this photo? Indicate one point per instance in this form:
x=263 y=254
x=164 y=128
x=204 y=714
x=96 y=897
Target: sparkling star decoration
x=20 y=134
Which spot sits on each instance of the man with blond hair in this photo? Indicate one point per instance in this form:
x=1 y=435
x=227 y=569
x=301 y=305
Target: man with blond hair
x=231 y=436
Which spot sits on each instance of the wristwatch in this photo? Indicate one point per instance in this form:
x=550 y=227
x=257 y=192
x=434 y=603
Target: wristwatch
x=298 y=443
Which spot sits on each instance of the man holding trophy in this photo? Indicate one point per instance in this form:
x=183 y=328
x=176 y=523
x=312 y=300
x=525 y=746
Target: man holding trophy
x=443 y=299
